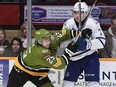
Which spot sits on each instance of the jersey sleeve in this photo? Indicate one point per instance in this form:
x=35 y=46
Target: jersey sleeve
x=61 y=36
x=65 y=34
x=65 y=25
x=57 y=62
x=98 y=37
x=70 y=24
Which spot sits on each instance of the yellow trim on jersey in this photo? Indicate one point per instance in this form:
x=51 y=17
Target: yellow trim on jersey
x=77 y=33
x=63 y=32
x=58 y=62
x=17 y=64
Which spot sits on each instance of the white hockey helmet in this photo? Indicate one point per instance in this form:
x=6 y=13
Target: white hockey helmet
x=84 y=7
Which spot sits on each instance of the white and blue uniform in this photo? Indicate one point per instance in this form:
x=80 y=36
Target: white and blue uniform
x=88 y=60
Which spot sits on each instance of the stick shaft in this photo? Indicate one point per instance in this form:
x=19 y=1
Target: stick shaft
x=80 y=29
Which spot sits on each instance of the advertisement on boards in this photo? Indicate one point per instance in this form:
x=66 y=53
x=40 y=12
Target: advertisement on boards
x=49 y=14
x=59 y=14
x=103 y=13
x=107 y=75
x=5 y=68
x=4 y=71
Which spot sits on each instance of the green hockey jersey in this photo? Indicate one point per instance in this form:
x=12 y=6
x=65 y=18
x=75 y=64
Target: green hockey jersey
x=37 y=57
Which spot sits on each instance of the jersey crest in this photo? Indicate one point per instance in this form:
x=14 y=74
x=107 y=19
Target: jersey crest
x=45 y=51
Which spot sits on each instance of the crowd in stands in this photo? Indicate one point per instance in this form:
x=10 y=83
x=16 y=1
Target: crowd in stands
x=4 y=44
x=23 y=34
x=8 y=48
x=17 y=44
x=109 y=51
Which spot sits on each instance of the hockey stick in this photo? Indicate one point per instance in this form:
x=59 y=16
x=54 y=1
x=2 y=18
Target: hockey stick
x=79 y=14
x=89 y=12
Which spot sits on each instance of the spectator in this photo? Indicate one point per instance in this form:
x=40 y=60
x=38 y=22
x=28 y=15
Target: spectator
x=23 y=34
x=110 y=46
x=5 y=47
x=17 y=46
x=3 y=42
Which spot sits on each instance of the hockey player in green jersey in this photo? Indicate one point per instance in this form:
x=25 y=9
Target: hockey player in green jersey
x=34 y=63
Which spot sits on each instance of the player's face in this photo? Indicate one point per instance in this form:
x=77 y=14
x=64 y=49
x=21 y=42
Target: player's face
x=76 y=15
x=46 y=43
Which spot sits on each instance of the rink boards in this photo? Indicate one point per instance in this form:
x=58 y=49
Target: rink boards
x=107 y=73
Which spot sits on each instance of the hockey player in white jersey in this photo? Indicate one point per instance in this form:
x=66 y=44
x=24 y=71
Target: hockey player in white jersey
x=89 y=41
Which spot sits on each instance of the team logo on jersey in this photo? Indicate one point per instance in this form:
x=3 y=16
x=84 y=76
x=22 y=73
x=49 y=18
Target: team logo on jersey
x=45 y=51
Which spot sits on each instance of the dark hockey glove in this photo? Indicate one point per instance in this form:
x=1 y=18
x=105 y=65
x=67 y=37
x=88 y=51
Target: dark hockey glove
x=86 y=33
x=71 y=49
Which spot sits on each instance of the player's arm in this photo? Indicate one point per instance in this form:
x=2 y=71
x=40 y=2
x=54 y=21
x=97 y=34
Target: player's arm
x=62 y=35
x=56 y=62
x=65 y=34
x=88 y=41
x=98 y=36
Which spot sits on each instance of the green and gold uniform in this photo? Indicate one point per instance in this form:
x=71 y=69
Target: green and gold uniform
x=37 y=60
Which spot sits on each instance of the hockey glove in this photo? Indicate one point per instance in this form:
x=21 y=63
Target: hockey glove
x=81 y=44
x=70 y=50
x=72 y=47
x=86 y=33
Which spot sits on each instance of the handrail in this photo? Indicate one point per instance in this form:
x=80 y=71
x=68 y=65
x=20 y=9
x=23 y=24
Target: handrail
x=8 y=58
x=107 y=59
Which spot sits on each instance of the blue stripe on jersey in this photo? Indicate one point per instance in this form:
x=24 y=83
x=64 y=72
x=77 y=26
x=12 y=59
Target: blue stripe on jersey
x=99 y=38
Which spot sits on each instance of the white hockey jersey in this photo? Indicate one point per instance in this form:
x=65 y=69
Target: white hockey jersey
x=96 y=41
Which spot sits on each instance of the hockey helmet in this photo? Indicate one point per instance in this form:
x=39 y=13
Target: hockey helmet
x=84 y=7
x=42 y=34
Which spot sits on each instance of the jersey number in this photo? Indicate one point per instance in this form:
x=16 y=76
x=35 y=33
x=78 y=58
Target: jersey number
x=50 y=59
